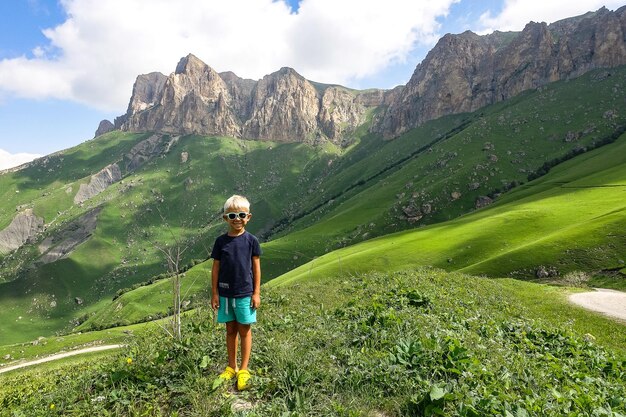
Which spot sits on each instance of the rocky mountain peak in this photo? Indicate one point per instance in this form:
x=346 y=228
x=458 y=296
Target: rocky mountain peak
x=193 y=69
x=286 y=71
x=190 y=64
x=465 y=72
x=230 y=77
x=282 y=106
x=285 y=78
x=105 y=126
x=462 y=73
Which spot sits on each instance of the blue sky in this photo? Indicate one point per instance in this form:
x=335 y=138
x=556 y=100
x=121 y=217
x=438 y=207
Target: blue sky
x=65 y=65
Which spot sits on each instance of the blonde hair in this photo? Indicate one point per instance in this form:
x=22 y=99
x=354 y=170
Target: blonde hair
x=237 y=201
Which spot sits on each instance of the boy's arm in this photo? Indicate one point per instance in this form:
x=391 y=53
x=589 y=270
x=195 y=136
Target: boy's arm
x=215 y=271
x=256 y=282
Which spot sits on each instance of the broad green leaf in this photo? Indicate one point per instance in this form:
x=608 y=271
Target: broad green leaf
x=205 y=362
x=437 y=392
x=217 y=382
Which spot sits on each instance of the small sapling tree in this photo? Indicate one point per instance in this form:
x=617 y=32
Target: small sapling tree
x=173 y=253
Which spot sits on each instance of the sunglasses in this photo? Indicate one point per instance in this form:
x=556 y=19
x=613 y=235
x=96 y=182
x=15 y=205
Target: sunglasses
x=233 y=216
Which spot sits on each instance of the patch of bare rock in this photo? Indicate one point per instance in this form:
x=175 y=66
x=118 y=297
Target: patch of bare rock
x=98 y=183
x=24 y=227
x=61 y=244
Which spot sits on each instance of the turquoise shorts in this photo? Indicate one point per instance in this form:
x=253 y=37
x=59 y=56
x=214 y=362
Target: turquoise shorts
x=236 y=309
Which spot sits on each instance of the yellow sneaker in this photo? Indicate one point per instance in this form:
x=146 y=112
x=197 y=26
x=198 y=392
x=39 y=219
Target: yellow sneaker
x=243 y=377
x=228 y=374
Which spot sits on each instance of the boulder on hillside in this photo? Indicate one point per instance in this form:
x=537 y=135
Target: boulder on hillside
x=546 y=271
x=482 y=201
x=411 y=211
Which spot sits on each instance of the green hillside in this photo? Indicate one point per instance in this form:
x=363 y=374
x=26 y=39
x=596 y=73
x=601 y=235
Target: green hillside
x=153 y=301
x=307 y=200
x=448 y=164
x=573 y=219
x=161 y=201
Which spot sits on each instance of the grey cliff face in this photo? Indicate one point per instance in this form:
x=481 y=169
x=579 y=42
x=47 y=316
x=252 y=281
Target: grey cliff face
x=146 y=91
x=282 y=106
x=98 y=183
x=240 y=91
x=62 y=244
x=24 y=227
x=466 y=72
x=194 y=99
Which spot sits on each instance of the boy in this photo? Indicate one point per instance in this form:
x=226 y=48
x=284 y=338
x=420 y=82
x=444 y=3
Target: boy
x=236 y=285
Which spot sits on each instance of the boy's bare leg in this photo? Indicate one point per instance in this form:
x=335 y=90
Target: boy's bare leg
x=231 y=343
x=245 y=334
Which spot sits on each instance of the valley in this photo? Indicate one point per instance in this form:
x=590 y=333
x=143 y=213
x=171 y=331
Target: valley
x=314 y=199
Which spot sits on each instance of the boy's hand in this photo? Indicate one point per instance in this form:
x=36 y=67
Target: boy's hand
x=255 y=302
x=215 y=301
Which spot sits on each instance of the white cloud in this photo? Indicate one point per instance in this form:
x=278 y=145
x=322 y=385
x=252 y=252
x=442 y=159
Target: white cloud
x=516 y=14
x=94 y=56
x=8 y=160
x=335 y=41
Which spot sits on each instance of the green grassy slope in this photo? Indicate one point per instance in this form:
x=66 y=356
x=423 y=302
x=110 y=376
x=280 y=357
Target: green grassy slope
x=307 y=200
x=150 y=302
x=162 y=200
x=411 y=343
x=571 y=219
x=480 y=154
x=574 y=218
x=43 y=185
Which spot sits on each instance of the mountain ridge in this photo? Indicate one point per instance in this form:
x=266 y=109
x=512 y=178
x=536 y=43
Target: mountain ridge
x=282 y=106
x=462 y=73
x=465 y=72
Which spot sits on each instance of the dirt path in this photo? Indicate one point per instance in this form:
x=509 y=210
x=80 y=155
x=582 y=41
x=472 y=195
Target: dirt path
x=609 y=302
x=59 y=356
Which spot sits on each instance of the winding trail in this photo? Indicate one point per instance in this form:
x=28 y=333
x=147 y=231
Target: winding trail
x=59 y=356
x=609 y=302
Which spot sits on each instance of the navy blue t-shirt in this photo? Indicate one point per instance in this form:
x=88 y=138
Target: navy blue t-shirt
x=235 y=255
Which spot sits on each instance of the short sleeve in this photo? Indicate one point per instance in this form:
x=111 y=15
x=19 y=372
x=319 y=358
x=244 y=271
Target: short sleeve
x=217 y=249
x=256 y=247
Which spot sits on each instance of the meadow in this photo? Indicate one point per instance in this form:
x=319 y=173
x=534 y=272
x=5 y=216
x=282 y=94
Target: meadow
x=411 y=343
